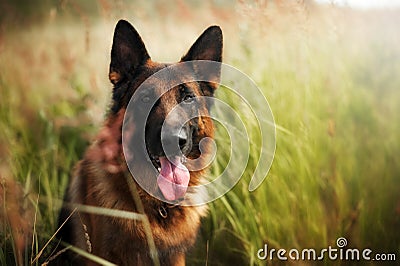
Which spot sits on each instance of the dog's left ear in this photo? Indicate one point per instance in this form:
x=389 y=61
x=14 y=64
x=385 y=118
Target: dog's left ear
x=127 y=53
x=207 y=47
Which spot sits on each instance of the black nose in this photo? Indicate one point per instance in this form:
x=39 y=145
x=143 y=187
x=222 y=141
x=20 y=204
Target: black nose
x=176 y=140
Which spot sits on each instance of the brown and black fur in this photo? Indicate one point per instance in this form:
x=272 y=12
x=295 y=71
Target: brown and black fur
x=100 y=178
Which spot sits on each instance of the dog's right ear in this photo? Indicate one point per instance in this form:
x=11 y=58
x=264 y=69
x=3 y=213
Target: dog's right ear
x=128 y=52
x=207 y=47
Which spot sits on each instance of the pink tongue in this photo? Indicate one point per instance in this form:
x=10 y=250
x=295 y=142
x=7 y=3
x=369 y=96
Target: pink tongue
x=173 y=178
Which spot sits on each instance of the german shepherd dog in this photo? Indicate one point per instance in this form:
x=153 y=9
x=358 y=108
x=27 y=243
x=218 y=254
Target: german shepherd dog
x=101 y=178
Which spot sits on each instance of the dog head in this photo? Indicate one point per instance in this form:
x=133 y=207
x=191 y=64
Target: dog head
x=178 y=119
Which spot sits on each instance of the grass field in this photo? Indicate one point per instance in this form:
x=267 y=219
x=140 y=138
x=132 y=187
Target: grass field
x=330 y=75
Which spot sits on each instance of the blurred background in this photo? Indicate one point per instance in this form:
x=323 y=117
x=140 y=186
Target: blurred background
x=329 y=70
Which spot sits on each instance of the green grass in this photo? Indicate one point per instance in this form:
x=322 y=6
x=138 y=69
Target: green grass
x=331 y=79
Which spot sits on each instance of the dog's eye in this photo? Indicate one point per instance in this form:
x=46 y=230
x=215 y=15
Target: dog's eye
x=145 y=99
x=189 y=98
